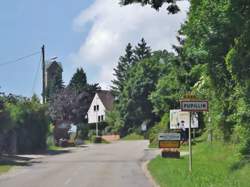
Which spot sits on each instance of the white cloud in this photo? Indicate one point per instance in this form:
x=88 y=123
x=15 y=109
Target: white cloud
x=113 y=26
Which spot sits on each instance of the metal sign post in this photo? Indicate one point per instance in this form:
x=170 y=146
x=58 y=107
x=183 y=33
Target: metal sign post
x=191 y=104
x=190 y=143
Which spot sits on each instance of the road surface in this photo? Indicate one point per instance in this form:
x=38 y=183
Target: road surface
x=104 y=165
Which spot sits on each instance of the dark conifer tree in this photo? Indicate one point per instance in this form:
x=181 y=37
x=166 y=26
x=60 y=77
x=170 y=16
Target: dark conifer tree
x=79 y=80
x=141 y=51
x=121 y=70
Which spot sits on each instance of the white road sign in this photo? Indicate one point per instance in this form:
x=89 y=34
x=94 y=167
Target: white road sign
x=179 y=119
x=169 y=136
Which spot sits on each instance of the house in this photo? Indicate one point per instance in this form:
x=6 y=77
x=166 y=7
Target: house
x=101 y=103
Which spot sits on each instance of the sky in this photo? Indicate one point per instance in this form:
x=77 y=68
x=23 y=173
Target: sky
x=91 y=34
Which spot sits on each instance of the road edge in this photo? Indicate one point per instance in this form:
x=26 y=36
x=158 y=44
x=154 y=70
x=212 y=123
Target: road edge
x=148 y=174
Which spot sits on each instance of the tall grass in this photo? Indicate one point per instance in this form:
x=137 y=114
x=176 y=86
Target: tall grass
x=214 y=165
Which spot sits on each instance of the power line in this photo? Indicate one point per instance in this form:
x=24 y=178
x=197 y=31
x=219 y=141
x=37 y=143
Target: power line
x=18 y=59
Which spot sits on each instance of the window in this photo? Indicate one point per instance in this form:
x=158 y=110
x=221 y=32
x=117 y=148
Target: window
x=96 y=107
x=99 y=118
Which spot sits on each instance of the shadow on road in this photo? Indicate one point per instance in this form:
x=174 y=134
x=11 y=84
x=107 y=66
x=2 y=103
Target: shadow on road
x=57 y=152
x=16 y=161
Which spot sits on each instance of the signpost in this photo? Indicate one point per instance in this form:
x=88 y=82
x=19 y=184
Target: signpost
x=169 y=141
x=191 y=104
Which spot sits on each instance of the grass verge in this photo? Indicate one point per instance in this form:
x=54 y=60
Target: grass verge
x=4 y=168
x=54 y=148
x=133 y=136
x=214 y=165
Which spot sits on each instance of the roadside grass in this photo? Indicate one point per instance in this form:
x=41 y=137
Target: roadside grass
x=4 y=168
x=133 y=136
x=54 y=148
x=214 y=165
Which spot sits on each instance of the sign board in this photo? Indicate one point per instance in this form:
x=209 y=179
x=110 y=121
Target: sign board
x=180 y=119
x=144 y=127
x=169 y=144
x=169 y=136
x=194 y=105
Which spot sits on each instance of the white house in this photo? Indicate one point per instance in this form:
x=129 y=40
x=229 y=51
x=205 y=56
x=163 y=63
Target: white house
x=102 y=102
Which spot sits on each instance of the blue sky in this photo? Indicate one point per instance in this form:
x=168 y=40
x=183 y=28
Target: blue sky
x=25 y=26
x=83 y=33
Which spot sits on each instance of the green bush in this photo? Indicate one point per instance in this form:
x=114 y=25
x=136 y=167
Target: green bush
x=162 y=126
x=28 y=119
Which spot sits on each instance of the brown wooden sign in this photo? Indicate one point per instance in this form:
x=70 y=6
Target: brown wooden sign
x=169 y=144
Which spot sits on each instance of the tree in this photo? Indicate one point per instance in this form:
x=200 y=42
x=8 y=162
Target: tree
x=141 y=51
x=134 y=104
x=79 y=80
x=69 y=105
x=121 y=70
x=156 y=4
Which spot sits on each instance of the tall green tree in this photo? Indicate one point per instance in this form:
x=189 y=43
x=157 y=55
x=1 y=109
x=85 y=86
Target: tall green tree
x=120 y=72
x=134 y=104
x=141 y=51
x=78 y=80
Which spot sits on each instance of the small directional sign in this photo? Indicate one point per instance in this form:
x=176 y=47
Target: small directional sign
x=194 y=106
x=169 y=136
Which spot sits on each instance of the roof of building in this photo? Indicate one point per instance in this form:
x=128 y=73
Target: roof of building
x=49 y=63
x=107 y=98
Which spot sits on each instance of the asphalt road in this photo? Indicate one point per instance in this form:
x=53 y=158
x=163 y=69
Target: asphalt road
x=106 y=165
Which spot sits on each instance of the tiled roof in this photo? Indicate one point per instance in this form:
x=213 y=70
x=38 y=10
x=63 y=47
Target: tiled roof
x=107 y=98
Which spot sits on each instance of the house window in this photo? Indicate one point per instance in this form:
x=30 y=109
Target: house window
x=101 y=117
x=96 y=107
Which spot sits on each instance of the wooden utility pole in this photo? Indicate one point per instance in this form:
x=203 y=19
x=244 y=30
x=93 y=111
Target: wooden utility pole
x=43 y=72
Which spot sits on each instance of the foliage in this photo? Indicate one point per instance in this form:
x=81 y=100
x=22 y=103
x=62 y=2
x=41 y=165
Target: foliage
x=120 y=72
x=160 y=127
x=114 y=120
x=69 y=105
x=214 y=164
x=78 y=80
x=4 y=168
x=141 y=51
x=131 y=57
x=212 y=62
x=134 y=105
x=156 y=4
x=133 y=136
x=28 y=119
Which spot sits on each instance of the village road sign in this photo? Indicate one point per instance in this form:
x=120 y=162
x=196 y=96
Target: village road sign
x=169 y=136
x=194 y=105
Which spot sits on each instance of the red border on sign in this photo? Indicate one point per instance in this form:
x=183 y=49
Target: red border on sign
x=194 y=101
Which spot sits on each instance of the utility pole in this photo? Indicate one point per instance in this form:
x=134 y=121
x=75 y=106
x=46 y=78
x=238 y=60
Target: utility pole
x=43 y=76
